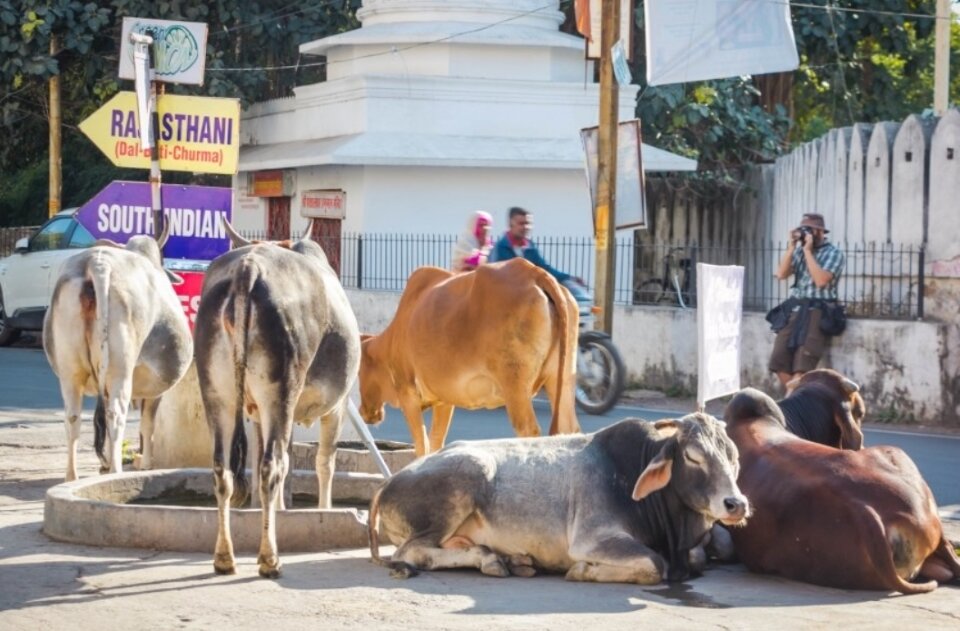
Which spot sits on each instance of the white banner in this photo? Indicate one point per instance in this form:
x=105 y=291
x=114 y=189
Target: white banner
x=596 y=21
x=695 y=40
x=631 y=206
x=719 y=316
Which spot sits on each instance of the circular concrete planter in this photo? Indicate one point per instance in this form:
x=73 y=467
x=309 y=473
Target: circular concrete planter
x=354 y=457
x=97 y=511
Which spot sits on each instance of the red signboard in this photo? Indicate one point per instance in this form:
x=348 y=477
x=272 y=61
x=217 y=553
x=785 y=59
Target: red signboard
x=189 y=294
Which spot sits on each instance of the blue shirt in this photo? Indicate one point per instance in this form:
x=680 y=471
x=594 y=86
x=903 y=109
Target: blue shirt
x=504 y=250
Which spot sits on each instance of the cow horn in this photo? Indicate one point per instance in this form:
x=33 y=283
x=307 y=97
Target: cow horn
x=308 y=231
x=849 y=387
x=164 y=235
x=236 y=241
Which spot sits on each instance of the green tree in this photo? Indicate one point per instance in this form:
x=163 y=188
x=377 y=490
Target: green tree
x=245 y=36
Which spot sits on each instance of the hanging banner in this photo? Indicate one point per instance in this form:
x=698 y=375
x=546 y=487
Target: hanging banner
x=719 y=317
x=197 y=134
x=696 y=40
x=631 y=202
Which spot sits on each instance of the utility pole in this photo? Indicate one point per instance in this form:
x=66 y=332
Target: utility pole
x=941 y=62
x=56 y=119
x=604 y=217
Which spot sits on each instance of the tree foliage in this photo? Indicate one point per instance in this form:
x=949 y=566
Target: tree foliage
x=244 y=37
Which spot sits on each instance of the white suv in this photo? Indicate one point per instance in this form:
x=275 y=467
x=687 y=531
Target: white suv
x=28 y=275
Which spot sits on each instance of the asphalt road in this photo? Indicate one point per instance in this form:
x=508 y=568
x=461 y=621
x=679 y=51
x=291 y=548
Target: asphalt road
x=28 y=384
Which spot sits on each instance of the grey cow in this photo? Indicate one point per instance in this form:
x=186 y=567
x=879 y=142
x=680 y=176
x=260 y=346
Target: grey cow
x=626 y=504
x=115 y=330
x=277 y=342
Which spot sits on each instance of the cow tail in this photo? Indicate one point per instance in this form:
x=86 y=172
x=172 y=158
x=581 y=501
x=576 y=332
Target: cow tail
x=556 y=293
x=880 y=549
x=399 y=569
x=242 y=305
x=99 y=277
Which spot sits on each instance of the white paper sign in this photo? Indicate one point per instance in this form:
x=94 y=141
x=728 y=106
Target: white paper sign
x=695 y=40
x=596 y=21
x=141 y=82
x=719 y=316
x=181 y=49
x=620 y=68
x=631 y=204
x=324 y=204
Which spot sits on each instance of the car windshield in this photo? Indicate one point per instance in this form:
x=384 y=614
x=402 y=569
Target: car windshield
x=81 y=238
x=51 y=236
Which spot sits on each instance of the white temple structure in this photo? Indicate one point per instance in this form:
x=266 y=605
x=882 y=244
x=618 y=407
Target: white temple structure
x=430 y=110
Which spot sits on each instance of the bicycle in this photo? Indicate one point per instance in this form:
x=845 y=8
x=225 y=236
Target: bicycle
x=670 y=286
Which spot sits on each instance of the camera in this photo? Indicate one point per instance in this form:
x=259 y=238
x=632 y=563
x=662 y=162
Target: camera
x=800 y=232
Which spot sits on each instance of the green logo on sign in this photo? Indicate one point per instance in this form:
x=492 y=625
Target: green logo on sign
x=175 y=46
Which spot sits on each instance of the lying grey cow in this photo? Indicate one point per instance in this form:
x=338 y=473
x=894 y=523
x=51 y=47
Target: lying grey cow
x=625 y=504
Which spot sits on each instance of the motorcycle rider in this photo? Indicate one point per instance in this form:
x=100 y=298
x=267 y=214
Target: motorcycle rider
x=516 y=242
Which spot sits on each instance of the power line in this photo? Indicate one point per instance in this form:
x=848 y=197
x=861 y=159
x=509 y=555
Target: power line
x=392 y=51
x=829 y=6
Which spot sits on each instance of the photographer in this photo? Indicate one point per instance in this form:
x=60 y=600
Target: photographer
x=811 y=314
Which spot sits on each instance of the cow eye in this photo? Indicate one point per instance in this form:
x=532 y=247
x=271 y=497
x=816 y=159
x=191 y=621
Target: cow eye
x=693 y=456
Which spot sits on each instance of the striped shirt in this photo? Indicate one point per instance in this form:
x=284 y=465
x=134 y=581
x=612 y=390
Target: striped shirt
x=830 y=259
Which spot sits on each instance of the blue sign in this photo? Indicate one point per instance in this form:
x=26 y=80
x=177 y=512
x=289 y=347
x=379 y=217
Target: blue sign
x=195 y=214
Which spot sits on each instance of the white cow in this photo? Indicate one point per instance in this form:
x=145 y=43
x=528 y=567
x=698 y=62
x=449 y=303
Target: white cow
x=115 y=330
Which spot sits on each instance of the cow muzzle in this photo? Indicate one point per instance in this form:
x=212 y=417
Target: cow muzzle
x=737 y=510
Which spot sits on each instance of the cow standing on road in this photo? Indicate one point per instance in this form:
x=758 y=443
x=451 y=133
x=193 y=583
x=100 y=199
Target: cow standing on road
x=626 y=504
x=278 y=342
x=850 y=519
x=482 y=339
x=115 y=330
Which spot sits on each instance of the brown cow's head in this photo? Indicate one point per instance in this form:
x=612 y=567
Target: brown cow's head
x=844 y=400
x=701 y=464
x=376 y=382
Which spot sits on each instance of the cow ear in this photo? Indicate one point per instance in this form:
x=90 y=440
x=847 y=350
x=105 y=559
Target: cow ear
x=657 y=474
x=851 y=436
x=175 y=279
x=667 y=426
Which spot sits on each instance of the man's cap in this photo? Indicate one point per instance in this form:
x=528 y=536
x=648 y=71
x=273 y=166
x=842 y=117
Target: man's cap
x=814 y=220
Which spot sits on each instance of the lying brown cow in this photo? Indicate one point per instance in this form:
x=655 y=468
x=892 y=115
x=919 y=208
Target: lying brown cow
x=851 y=519
x=482 y=339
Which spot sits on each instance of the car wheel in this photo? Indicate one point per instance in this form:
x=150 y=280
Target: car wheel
x=8 y=334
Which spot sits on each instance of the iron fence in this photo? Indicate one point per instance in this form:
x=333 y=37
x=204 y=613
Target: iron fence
x=879 y=280
x=10 y=236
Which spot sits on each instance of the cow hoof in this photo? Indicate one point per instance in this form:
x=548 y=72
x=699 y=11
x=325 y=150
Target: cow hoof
x=495 y=567
x=270 y=571
x=224 y=566
x=402 y=570
x=578 y=571
x=521 y=565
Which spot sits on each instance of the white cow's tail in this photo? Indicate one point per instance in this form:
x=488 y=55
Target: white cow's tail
x=243 y=284
x=99 y=276
x=399 y=569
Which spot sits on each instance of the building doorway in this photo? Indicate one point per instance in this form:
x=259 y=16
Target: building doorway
x=326 y=232
x=278 y=218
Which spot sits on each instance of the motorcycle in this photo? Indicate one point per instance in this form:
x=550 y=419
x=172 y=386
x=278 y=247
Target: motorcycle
x=600 y=370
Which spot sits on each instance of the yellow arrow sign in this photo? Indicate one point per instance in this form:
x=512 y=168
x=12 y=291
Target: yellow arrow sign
x=198 y=134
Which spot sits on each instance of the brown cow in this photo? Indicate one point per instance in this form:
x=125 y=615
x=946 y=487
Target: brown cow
x=850 y=519
x=474 y=340
x=824 y=407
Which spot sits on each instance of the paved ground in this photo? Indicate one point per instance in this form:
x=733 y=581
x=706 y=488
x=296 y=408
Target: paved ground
x=57 y=586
